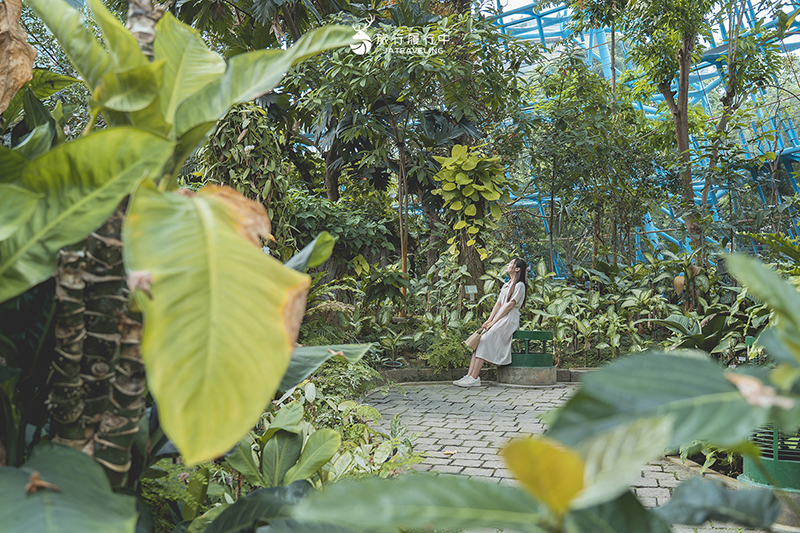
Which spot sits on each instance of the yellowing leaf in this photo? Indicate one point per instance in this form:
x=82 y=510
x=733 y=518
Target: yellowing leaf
x=496 y=212
x=448 y=186
x=470 y=242
x=252 y=218
x=471 y=210
x=461 y=224
x=459 y=150
x=222 y=322
x=472 y=230
x=457 y=205
x=550 y=471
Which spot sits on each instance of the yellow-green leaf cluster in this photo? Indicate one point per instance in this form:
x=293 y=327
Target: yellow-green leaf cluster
x=470 y=186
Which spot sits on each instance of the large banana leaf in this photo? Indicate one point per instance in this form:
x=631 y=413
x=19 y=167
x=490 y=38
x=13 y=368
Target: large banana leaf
x=84 y=500
x=89 y=58
x=122 y=45
x=424 y=502
x=253 y=74
x=220 y=327
x=11 y=163
x=16 y=205
x=80 y=191
x=703 y=403
x=190 y=64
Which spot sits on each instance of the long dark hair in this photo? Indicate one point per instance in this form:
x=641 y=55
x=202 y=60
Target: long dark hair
x=522 y=278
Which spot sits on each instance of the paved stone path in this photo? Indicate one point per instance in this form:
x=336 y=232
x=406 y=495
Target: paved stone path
x=462 y=429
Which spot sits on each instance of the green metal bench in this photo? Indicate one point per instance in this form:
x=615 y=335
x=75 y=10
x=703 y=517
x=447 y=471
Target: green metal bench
x=528 y=358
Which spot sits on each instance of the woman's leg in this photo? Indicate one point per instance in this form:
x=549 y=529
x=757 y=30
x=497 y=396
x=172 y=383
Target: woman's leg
x=475 y=367
x=471 y=364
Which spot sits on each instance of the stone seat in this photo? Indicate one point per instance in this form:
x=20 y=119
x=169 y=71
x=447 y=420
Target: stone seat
x=530 y=367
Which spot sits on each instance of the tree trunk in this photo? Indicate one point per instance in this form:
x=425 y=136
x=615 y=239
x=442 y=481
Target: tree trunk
x=432 y=218
x=680 y=117
x=614 y=60
x=106 y=298
x=65 y=400
x=120 y=422
x=331 y=175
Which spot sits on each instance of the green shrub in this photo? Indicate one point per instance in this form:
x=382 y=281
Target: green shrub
x=446 y=353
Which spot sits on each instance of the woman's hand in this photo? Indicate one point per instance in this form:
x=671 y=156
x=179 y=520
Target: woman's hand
x=487 y=324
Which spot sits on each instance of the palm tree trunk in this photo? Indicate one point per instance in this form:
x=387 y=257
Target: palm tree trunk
x=65 y=400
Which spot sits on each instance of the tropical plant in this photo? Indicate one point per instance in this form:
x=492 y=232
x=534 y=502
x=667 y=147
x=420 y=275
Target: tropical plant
x=469 y=182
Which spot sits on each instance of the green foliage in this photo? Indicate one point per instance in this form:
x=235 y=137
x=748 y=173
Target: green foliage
x=468 y=183
x=245 y=153
x=446 y=353
x=76 y=495
x=356 y=229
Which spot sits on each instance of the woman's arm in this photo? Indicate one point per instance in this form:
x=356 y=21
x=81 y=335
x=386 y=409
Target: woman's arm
x=500 y=314
x=495 y=309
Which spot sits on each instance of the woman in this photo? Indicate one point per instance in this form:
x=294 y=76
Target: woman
x=495 y=345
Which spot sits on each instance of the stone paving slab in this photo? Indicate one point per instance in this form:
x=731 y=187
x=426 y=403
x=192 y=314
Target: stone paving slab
x=462 y=429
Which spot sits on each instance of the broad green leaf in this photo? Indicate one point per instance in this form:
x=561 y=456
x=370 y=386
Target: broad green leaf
x=457 y=205
x=131 y=90
x=287 y=418
x=89 y=58
x=220 y=327
x=614 y=460
x=306 y=359
x=197 y=490
x=279 y=454
x=550 y=471
x=243 y=461
x=470 y=210
x=80 y=191
x=43 y=84
x=287 y=525
x=623 y=515
x=84 y=500
x=314 y=253
x=36 y=114
x=423 y=502
x=699 y=499
x=11 y=163
x=319 y=448
x=200 y=523
x=122 y=45
x=461 y=224
x=765 y=284
x=252 y=74
x=16 y=206
x=36 y=143
x=259 y=507
x=190 y=65
x=704 y=404
x=496 y=212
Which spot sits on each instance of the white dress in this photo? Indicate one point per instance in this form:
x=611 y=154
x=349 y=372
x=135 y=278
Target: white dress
x=495 y=345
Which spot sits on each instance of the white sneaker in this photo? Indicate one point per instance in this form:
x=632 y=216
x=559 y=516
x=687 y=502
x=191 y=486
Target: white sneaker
x=469 y=382
x=456 y=382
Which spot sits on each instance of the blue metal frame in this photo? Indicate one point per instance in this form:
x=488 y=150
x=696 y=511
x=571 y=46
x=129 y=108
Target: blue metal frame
x=553 y=24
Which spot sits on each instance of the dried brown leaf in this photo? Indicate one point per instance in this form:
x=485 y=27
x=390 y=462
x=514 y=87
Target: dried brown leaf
x=252 y=218
x=16 y=55
x=35 y=483
x=758 y=394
